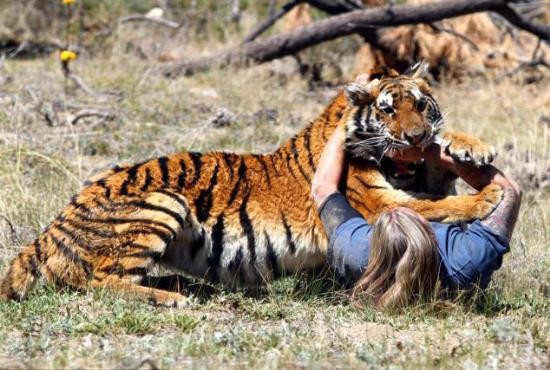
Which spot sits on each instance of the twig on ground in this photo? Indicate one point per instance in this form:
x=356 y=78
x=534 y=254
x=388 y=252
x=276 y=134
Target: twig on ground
x=48 y=111
x=32 y=94
x=222 y=118
x=143 y=18
x=85 y=113
x=530 y=64
x=236 y=11
x=534 y=62
x=147 y=362
x=78 y=81
x=459 y=35
x=89 y=90
x=22 y=46
x=537 y=48
x=14 y=237
x=105 y=34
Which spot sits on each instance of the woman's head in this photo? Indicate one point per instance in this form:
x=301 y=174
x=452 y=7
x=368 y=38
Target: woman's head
x=403 y=262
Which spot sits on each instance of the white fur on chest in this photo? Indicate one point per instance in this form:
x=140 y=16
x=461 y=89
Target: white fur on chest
x=273 y=254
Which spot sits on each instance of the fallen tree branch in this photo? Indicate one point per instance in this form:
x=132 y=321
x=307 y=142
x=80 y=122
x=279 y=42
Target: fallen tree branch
x=158 y=20
x=284 y=44
x=271 y=20
x=540 y=30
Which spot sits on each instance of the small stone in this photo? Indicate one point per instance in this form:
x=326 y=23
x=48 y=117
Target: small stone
x=223 y=118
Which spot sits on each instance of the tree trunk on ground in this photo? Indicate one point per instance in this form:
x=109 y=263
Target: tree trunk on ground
x=353 y=22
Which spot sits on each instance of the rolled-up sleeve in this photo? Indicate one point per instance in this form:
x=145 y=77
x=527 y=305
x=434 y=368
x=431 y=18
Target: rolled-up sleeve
x=349 y=237
x=470 y=254
x=349 y=249
x=334 y=211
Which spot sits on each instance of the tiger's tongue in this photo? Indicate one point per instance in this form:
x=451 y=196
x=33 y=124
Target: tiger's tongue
x=403 y=168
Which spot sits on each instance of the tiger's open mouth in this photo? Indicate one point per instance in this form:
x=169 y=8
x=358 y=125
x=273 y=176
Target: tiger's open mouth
x=401 y=170
x=402 y=144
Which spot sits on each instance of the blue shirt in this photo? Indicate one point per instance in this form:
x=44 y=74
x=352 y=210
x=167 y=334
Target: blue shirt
x=469 y=254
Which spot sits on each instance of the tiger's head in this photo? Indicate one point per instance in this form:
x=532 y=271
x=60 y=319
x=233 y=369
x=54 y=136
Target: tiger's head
x=388 y=111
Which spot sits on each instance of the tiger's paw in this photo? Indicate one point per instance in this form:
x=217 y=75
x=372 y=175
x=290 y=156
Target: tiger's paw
x=488 y=199
x=171 y=299
x=468 y=149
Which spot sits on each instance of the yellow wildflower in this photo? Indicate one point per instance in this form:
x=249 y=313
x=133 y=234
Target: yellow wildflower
x=68 y=2
x=67 y=55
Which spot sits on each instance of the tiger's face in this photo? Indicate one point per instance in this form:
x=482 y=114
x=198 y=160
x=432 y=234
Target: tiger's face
x=390 y=112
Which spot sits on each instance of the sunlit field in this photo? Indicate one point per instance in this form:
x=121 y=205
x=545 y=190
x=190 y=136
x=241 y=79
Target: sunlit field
x=298 y=321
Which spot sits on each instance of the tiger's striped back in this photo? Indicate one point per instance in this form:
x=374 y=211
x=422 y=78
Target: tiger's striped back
x=238 y=219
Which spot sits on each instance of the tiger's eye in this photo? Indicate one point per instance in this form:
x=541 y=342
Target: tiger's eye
x=388 y=110
x=421 y=105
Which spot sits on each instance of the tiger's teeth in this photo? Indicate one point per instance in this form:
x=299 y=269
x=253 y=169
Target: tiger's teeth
x=422 y=148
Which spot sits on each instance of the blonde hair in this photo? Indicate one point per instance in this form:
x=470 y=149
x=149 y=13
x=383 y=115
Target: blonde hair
x=403 y=262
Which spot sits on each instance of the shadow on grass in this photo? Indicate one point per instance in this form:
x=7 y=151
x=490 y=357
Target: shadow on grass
x=305 y=286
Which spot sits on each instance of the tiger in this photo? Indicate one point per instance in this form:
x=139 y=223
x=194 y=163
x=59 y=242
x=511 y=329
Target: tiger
x=243 y=220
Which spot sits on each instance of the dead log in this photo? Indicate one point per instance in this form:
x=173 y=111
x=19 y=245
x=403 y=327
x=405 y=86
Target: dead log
x=357 y=21
x=335 y=7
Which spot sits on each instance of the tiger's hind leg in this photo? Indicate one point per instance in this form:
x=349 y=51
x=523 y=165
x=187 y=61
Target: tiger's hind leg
x=144 y=229
x=129 y=288
x=201 y=290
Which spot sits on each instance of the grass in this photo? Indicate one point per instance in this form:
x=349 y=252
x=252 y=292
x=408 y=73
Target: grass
x=299 y=321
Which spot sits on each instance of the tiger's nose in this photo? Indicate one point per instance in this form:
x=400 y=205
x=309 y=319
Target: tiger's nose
x=415 y=139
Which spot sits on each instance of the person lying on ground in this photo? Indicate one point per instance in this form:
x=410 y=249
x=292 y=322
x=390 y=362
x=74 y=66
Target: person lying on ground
x=402 y=257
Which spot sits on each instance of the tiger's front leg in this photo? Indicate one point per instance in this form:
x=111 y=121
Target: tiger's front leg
x=453 y=208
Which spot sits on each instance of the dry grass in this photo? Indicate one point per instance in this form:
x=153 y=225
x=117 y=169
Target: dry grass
x=297 y=321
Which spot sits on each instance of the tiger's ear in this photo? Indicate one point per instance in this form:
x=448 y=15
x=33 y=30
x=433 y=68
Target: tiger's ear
x=418 y=70
x=422 y=85
x=361 y=91
x=381 y=72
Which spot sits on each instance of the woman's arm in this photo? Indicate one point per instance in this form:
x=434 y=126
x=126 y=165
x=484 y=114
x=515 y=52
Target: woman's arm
x=502 y=220
x=333 y=207
x=330 y=168
x=348 y=232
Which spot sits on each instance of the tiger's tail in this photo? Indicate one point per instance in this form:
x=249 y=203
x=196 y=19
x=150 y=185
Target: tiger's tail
x=21 y=274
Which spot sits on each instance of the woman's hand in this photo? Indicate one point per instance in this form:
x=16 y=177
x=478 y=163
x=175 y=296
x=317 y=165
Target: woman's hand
x=474 y=176
x=330 y=168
